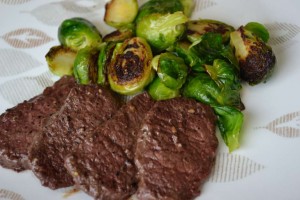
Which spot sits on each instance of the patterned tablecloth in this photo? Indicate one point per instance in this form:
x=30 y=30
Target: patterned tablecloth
x=267 y=165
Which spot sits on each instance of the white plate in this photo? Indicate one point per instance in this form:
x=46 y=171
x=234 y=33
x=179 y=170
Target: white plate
x=267 y=165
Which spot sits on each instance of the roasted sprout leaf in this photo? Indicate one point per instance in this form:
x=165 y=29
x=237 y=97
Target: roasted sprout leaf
x=230 y=121
x=172 y=70
x=159 y=91
x=259 y=30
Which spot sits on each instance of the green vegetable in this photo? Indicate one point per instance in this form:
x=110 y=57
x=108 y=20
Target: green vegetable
x=159 y=91
x=230 y=121
x=85 y=66
x=256 y=58
x=224 y=74
x=259 y=30
x=60 y=60
x=78 y=33
x=197 y=28
x=159 y=6
x=204 y=89
x=119 y=13
x=162 y=30
x=129 y=68
x=104 y=50
x=210 y=47
x=119 y=35
x=183 y=50
x=188 y=6
x=171 y=70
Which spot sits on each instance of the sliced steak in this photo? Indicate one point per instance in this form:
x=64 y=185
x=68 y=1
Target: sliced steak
x=18 y=125
x=104 y=165
x=85 y=108
x=175 y=150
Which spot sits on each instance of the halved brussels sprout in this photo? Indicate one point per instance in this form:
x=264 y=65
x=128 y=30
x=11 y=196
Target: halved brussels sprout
x=78 y=33
x=129 y=69
x=85 y=66
x=162 y=30
x=197 y=28
x=171 y=70
x=60 y=60
x=159 y=91
x=120 y=13
x=256 y=58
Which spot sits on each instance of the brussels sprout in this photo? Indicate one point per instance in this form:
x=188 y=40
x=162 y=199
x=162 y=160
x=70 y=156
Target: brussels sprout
x=183 y=50
x=230 y=121
x=224 y=74
x=120 y=13
x=210 y=47
x=104 y=50
x=162 y=30
x=159 y=91
x=197 y=28
x=259 y=30
x=119 y=35
x=129 y=68
x=159 y=6
x=78 y=33
x=188 y=7
x=85 y=66
x=60 y=60
x=256 y=58
x=171 y=70
x=204 y=89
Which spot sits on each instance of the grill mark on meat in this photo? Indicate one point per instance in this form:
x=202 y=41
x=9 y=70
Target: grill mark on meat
x=103 y=166
x=176 y=150
x=85 y=108
x=20 y=124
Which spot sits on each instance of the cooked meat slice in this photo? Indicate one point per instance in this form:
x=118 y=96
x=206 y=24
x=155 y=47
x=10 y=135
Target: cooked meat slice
x=18 y=125
x=175 y=150
x=85 y=108
x=103 y=166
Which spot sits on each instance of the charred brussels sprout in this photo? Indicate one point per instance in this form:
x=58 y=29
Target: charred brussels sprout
x=119 y=13
x=256 y=58
x=159 y=91
x=78 y=33
x=60 y=60
x=162 y=30
x=85 y=66
x=129 y=69
x=171 y=70
x=197 y=28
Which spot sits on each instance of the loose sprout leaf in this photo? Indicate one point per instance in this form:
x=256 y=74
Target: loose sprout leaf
x=259 y=30
x=188 y=7
x=230 y=121
x=159 y=91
